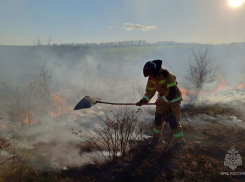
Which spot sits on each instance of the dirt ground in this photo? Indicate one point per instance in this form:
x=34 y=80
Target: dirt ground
x=209 y=136
x=202 y=159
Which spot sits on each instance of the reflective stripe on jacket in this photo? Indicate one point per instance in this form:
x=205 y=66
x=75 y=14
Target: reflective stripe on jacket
x=162 y=85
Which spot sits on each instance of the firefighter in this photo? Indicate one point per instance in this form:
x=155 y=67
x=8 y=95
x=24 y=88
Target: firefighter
x=168 y=101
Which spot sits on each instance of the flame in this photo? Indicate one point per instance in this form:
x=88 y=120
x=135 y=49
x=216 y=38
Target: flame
x=222 y=86
x=5 y=127
x=219 y=87
x=186 y=93
x=241 y=86
x=59 y=102
x=26 y=120
x=60 y=107
x=29 y=118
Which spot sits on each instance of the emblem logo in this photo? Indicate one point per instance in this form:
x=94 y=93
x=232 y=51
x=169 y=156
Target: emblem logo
x=233 y=159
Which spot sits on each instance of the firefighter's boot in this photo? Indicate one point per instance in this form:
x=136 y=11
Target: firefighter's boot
x=176 y=148
x=154 y=143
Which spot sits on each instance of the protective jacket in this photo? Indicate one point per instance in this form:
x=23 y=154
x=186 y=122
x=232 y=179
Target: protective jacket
x=165 y=84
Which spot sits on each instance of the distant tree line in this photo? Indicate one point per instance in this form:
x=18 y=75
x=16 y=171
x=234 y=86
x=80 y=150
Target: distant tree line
x=123 y=43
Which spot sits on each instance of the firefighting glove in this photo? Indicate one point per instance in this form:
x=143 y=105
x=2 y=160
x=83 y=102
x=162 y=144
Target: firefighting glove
x=139 y=103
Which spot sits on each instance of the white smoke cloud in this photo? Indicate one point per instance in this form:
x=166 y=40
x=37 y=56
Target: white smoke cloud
x=131 y=26
x=114 y=76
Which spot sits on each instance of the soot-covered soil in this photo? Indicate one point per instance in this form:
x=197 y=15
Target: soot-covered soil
x=202 y=159
x=210 y=132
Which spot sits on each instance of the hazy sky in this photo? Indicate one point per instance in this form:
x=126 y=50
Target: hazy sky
x=77 y=21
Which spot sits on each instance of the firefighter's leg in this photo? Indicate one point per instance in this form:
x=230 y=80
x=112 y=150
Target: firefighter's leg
x=174 y=122
x=158 y=122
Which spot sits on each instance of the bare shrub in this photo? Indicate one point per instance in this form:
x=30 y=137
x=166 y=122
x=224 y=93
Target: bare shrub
x=25 y=106
x=20 y=110
x=116 y=135
x=201 y=71
x=39 y=42
x=49 y=41
x=7 y=148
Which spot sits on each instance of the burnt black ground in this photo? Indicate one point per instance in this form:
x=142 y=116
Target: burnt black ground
x=202 y=159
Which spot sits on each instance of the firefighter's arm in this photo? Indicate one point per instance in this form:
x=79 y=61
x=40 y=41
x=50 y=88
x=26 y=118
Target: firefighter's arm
x=150 y=92
x=171 y=90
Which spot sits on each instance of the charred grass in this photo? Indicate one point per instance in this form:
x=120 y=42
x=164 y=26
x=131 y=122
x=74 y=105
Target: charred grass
x=202 y=159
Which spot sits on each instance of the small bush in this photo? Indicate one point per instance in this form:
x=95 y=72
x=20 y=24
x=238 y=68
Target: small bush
x=116 y=134
x=7 y=148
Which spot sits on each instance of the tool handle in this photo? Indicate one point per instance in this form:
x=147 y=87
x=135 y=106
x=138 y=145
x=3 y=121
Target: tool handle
x=123 y=103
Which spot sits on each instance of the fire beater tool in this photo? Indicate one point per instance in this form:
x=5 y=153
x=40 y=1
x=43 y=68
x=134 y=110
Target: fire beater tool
x=88 y=102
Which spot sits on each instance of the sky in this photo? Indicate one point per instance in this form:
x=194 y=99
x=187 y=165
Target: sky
x=79 y=21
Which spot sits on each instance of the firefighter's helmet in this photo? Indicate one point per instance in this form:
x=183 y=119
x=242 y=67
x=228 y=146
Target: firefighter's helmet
x=149 y=68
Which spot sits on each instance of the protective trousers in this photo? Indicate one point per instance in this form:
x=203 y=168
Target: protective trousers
x=171 y=114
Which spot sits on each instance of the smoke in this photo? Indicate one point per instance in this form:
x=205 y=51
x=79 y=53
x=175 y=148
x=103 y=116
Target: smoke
x=114 y=74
